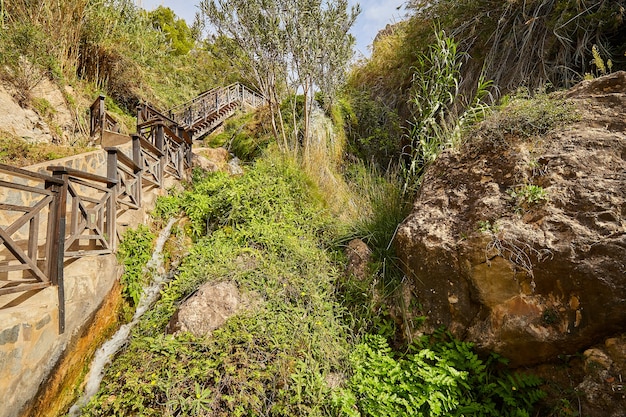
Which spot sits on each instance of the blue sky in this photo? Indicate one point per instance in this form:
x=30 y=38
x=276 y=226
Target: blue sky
x=375 y=15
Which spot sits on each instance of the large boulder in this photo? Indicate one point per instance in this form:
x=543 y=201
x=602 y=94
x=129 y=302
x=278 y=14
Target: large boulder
x=523 y=273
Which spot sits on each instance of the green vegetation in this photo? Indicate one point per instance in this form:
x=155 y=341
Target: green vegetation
x=128 y=53
x=267 y=234
x=502 y=46
x=19 y=152
x=296 y=349
x=528 y=194
x=312 y=341
x=286 y=47
x=245 y=134
x=527 y=117
x=439 y=378
x=134 y=253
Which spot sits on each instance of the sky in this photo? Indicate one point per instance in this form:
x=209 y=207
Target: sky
x=375 y=15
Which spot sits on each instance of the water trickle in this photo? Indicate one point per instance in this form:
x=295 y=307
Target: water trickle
x=109 y=348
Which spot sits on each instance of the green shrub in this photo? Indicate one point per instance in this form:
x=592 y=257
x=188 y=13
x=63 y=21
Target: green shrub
x=134 y=252
x=436 y=378
x=526 y=116
x=18 y=152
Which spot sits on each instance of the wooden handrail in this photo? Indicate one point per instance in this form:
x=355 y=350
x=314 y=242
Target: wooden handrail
x=81 y=174
x=121 y=156
x=150 y=147
x=29 y=174
x=89 y=201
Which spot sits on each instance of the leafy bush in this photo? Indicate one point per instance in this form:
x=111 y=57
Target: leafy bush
x=134 y=253
x=524 y=116
x=434 y=379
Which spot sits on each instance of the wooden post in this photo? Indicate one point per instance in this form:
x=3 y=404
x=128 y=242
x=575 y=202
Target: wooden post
x=56 y=232
x=159 y=143
x=140 y=114
x=137 y=150
x=101 y=112
x=190 y=147
x=112 y=164
x=112 y=198
x=138 y=160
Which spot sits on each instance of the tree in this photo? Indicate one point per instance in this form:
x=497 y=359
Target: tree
x=176 y=31
x=319 y=47
x=289 y=46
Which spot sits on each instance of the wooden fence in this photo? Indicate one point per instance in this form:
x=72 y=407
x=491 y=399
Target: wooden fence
x=45 y=219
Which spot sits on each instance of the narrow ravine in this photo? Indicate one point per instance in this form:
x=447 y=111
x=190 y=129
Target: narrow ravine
x=150 y=294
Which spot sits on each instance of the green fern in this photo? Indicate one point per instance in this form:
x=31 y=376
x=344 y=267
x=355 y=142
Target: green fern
x=440 y=376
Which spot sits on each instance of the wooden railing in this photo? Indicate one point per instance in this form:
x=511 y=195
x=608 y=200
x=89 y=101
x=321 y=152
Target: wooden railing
x=31 y=233
x=45 y=219
x=210 y=108
x=127 y=172
x=91 y=217
x=166 y=135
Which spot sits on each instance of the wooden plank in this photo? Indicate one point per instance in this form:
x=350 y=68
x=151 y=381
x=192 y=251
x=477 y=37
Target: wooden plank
x=12 y=207
x=121 y=156
x=81 y=174
x=33 y=238
x=150 y=147
x=34 y=211
x=13 y=247
x=80 y=181
x=81 y=253
x=11 y=268
x=22 y=187
x=170 y=133
x=24 y=288
x=28 y=174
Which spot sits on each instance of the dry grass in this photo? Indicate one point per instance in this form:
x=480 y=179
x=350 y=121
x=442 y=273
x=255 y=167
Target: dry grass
x=16 y=151
x=321 y=162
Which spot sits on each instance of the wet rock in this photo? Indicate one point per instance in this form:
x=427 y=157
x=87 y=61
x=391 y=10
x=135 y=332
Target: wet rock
x=528 y=281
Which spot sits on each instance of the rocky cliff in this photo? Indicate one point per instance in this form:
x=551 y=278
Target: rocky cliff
x=519 y=243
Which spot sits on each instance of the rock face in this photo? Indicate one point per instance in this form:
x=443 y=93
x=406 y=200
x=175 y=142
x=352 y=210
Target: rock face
x=530 y=280
x=58 y=126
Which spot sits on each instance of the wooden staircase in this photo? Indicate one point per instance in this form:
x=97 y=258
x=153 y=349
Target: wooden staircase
x=209 y=110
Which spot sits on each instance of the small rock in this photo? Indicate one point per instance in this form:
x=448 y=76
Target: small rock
x=359 y=256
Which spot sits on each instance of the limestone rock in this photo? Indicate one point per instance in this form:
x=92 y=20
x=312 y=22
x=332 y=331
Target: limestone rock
x=199 y=161
x=233 y=167
x=58 y=126
x=537 y=281
x=216 y=159
x=208 y=308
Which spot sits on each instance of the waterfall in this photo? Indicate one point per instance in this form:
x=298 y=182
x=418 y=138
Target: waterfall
x=109 y=348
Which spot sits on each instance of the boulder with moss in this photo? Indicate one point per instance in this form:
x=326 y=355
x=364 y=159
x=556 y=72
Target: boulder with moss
x=517 y=241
